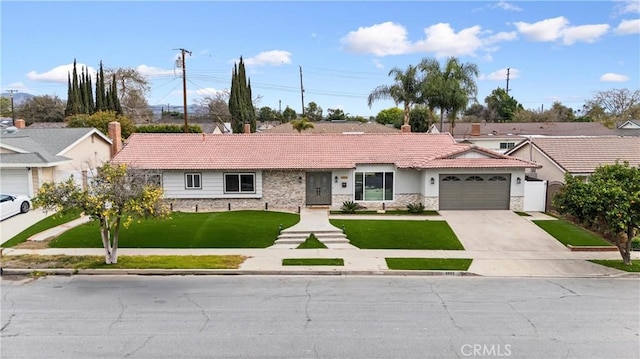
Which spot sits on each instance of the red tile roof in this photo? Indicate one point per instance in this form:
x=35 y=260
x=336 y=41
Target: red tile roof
x=300 y=151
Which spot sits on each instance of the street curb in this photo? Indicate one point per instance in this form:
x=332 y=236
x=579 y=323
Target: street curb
x=172 y=272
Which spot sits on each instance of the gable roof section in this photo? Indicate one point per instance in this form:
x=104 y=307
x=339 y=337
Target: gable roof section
x=299 y=151
x=507 y=129
x=585 y=154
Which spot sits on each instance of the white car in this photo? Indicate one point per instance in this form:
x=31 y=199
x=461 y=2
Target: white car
x=11 y=205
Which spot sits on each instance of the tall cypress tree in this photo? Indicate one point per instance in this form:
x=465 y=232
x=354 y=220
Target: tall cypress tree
x=101 y=99
x=92 y=106
x=75 y=88
x=69 y=109
x=115 y=100
x=240 y=102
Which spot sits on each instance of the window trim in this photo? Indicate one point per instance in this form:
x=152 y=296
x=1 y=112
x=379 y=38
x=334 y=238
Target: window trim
x=186 y=181
x=507 y=145
x=239 y=174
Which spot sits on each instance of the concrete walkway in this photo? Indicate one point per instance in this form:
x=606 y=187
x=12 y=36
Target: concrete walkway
x=555 y=261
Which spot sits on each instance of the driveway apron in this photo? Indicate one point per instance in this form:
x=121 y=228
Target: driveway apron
x=499 y=231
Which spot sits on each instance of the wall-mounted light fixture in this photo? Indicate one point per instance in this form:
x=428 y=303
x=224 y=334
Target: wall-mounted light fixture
x=518 y=180
x=299 y=179
x=433 y=180
x=335 y=179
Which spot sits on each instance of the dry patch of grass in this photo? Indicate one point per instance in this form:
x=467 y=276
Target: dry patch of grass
x=124 y=262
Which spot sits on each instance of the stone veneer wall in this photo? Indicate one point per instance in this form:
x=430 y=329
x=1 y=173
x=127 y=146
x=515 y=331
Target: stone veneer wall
x=431 y=203
x=516 y=203
x=401 y=201
x=281 y=190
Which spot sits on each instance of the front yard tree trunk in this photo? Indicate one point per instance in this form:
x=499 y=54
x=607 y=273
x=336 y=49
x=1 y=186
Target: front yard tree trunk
x=625 y=250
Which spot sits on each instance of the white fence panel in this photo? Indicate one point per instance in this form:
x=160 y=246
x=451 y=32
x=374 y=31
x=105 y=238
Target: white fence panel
x=535 y=196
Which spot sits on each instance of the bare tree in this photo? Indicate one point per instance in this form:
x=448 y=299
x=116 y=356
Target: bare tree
x=132 y=88
x=617 y=102
x=215 y=107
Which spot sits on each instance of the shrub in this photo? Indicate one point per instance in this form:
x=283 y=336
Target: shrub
x=350 y=207
x=415 y=207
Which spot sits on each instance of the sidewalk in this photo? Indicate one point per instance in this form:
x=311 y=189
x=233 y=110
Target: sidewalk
x=562 y=263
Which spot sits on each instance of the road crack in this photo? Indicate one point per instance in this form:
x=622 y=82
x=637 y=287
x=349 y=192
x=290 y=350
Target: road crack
x=535 y=329
x=138 y=348
x=119 y=318
x=565 y=288
x=203 y=312
x=446 y=308
x=8 y=322
x=306 y=306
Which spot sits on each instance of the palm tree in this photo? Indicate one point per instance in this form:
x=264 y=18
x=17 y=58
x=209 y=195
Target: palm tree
x=405 y=90
x=449 y=88
x=301 y=124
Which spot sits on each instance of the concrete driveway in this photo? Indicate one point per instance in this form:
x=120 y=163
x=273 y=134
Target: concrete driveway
x=18 y=223
x=499 y=231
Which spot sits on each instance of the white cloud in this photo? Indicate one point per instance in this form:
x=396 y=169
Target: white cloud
x=628 y=7
x=383 y=39
x=314 y=35
x=584 y=33
x=507 y=6
x=60 y=73
x=501 y=36
x=150 y=71
x=269 y=58
x=20 y=86
x=206 y=92
x=612 y=77
x=378 y=64
x=627 y=27
x=444 y=41
x=501 y=75
x=558 y=29
x=545 y=30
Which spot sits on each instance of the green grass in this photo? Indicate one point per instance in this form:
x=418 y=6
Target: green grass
x=458 y=264
x=311 y=243
x=234 y=229
x=40 y=226
x=522 y=214
x=313 y=262
x=124 y=262
x=370 y=234
x=619 y=264
x=393 y=212
x=568 y=233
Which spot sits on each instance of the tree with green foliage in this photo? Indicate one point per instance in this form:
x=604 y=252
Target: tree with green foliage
x=608 y=202
x=501 y=106
x=267 y=114
x=336 y=114
x=101 y=96
x=100 y=120
x=421 y=118
x=302 y=124
x=313 y=112
x=240 y=101
x=448 y=88
x=289 y=114
x=406 y=89
x=41 y=109
x=5 y=107
x=116 y=195
x=390 y=116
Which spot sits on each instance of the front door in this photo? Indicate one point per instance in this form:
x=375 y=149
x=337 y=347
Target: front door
x=318 y=188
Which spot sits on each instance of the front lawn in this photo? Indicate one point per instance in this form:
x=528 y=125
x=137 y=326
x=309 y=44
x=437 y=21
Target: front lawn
x=53 y=220
x=124 y=262
x=568 y=233
x=459 y=264
x=370 y=234
x=313 y=262
x=619 y=264
x=233 y=229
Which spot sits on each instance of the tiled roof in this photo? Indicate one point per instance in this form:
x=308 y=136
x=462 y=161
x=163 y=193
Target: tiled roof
x=463 y=129
x=584 y=154
x=336 y=127
x=295 y=151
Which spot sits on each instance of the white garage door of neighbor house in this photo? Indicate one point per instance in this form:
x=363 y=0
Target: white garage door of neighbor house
x=14 y=181
x=474 y=191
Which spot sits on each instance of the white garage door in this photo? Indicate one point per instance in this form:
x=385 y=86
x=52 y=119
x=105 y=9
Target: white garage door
x=14 y=181
x=474 y=191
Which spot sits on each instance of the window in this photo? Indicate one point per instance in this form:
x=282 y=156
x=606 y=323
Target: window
x=474 y=178
x=507 y=145
x=374 y=186
x=192 y=181
x=239 y=183
x=498 y=178
x=451 y=179
x=154 y=179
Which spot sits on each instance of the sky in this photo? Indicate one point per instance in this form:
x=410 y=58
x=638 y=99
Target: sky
x=562 y=51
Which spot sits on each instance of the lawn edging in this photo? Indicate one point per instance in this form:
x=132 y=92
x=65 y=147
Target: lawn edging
x=592 y=248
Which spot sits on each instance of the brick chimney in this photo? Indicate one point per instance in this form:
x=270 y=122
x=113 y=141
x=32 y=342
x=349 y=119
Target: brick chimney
x=116 y=137
x=20 y=123
x=475 y=129
x=405 y=128
x=247 y=128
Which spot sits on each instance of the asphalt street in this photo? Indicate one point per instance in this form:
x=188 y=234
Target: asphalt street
x=319 y=317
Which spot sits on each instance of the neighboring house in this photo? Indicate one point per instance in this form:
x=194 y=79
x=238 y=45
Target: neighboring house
x=336 y=127
x=578 y=156
x=32 y=156
x=502 y=137
x=289 y=171
x=628 y=128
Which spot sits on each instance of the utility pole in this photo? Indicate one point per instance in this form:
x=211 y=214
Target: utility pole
x=301 y=91
x=13 y=114
x=508 y=70
x=184 y=87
